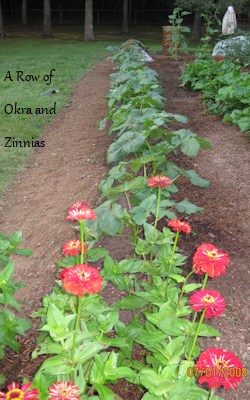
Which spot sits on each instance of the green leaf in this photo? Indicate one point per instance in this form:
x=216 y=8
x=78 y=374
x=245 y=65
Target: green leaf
x=104 y=392
x=185 y=206
x=23 y=252
x=151 y=233
x=207 y=331
x=6 y=273
x=195 y=179
x=191 y=287
x=174 y=326
x=96 y=253
x=131 y=302
x=109 y=223
x=4 y=244
x=16 y=238
x=128 y=143
x=58 y=365
x=149 y=379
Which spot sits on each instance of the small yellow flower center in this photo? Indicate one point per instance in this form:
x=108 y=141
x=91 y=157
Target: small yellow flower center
x=220 y=363
x=209 y=299
x=74 y=245
x=17 y=394
x=84 y=276
x=213 y=254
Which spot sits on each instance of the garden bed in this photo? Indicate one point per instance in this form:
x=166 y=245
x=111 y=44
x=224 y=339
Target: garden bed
x=82 y=166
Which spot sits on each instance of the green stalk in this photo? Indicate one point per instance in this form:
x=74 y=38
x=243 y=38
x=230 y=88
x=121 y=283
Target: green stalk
x=77 y=324
x=128 y=201
x=197 y=333
x=158 y=206
x=82 y=230
x=211 y=394
x=183 y=286
x=173 y=254
x=205 y=281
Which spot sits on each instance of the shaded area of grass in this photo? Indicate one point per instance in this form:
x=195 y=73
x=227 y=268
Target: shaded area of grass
x=70 y=59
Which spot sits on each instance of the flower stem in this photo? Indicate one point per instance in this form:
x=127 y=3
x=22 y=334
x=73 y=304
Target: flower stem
x=196 y=334
x=205 y=281
x=211 y=394
x=128 y=201
x=77 y=324
x=173 y=254
x=183 y=286
x=82 y=230
x=158 y=207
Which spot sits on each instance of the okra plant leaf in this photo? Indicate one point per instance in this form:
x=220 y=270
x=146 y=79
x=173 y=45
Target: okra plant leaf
x=129 y=142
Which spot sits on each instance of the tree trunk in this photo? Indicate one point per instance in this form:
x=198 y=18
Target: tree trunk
x=197 y=25
x=47 y=28
x=1 y=22
x=24 y=12
x=125 y=16
x=88 y=27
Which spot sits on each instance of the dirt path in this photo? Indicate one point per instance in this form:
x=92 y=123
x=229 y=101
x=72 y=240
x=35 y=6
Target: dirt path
x=70 y=168
x=226 y=221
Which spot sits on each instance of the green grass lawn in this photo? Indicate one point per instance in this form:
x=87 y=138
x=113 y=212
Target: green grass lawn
x=70 y=59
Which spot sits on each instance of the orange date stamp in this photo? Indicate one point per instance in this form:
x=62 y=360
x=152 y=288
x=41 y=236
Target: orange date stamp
x=215 y=372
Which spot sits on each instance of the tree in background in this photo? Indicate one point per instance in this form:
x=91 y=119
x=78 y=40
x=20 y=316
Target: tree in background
x=125 y=16
x=24 y=12
x=210 y=7
x=1 y=22
x=88 y=26
x=47 y=27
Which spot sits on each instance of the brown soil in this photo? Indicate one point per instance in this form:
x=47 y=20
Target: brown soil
x=70 y=168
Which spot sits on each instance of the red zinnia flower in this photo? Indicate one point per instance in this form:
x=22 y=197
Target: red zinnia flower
x=81 y=279
x=209 y=259
x=78 y=205
x=14 y=392
x=159 y=180
x=72 y=248
x=210 y=300
x=64 y=391
x=219 y=368
x=179 y=226
x=81 y=213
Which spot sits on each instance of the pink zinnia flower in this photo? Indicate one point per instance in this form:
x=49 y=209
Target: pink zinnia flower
x=219 y=368
x=22 y=393
x=179 y=226
x=210 y=300
x=81 y=279
x=159 y=181
x=64 y=391
x=81 y=213
x=73 y=248
x=209 y=259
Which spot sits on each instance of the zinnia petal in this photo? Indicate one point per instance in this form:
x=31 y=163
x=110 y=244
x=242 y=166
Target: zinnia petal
x=179 y=226
x=64 y=391
x=14 y=392
x=159 y=181
x=210 y=300
x=73 y=248
x=81 y=214
x=219 y=368
x=209 y=259
x=81 y=279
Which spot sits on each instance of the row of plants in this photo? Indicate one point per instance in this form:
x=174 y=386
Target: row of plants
x=225 y=89
x=11 y=326
x=87 y=345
